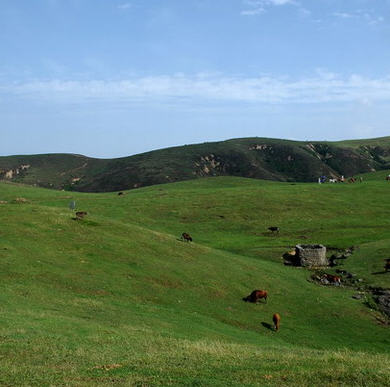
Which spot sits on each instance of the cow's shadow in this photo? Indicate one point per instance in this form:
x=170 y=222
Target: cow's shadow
x=267 y=325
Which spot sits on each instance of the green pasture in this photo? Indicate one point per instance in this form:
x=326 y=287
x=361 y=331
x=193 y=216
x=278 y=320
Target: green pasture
x=118 y=299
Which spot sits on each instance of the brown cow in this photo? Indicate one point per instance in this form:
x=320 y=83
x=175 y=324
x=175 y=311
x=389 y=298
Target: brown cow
x=333 y=278
x=276 y=320
x=186 y=237
x=81 y=214
x=256 y=295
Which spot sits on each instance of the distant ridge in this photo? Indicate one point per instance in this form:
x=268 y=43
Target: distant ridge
x=261 y=158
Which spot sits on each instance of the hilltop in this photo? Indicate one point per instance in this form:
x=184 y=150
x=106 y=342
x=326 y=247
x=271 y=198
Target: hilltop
x=260 y=158
x=117 y=298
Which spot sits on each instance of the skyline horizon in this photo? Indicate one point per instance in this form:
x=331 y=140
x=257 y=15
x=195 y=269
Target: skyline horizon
x=195 y=143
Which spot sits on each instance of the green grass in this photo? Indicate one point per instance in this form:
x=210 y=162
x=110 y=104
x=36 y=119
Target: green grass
x=118 y=299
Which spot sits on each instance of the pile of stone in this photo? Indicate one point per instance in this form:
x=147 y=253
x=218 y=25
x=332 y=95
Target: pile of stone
x=382 y=298
x=350 y=279
x=327 y=279
x=340 y=255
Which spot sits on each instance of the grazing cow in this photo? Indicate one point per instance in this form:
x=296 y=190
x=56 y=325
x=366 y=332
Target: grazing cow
x=81 y=214
x=332 y=180
x=186 y=237
x=274 y=229
x=256 y=295
x=276 y=320
x=291 y=258
x=120 y=193
x=388 y=178
x=333 y=278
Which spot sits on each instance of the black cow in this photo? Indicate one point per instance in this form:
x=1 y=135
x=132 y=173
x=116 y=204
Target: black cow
x=186 y=237
x=256 y=295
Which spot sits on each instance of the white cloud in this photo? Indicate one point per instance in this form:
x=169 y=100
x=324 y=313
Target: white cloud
x=278 y=2
x=325 y=74
x=304 y=12
x=261 y=3
x=368 y=16
x=344 y=15
x=324 y=87
x=373 y=20
x=252 y=12
x=124 y=6
x=257 y=7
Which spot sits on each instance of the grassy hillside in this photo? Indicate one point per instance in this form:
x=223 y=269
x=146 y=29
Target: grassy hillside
x=116 y=298
x=379 y=141
x=261 y=158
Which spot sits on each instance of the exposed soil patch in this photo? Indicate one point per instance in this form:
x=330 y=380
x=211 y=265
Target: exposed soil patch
x=20 y=200
x=107 y=367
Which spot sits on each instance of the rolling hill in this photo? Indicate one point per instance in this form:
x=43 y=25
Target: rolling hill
x=260 y=158
x=117 y=298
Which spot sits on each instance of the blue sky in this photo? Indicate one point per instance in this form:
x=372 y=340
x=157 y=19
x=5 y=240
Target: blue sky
x=110 y=78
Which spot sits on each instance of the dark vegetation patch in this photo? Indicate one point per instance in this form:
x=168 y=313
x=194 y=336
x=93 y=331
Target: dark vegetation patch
x=259 y=158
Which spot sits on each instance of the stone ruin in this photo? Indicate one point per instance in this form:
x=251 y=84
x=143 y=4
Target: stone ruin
x=311 y=255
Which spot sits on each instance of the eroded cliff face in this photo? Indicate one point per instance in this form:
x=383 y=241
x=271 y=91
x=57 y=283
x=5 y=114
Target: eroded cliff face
x=9 y=174
x=209 y=165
